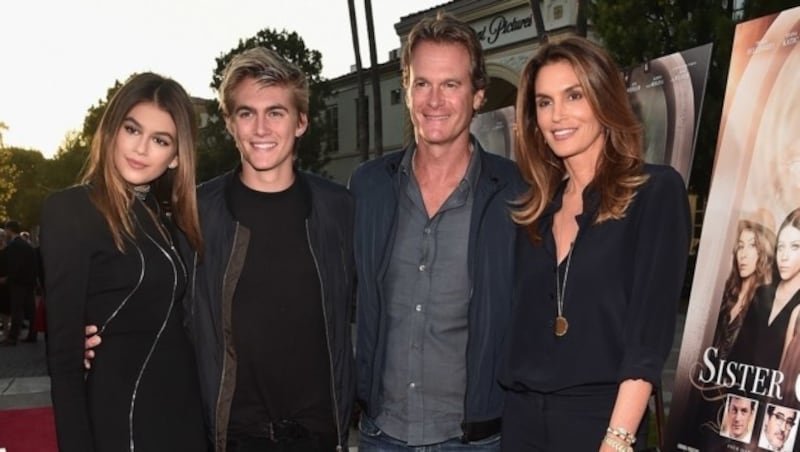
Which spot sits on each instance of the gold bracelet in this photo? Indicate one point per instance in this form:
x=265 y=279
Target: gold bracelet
x=616 y=444
x=622 y=434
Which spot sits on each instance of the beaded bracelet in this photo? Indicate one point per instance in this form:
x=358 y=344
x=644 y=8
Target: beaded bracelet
x=616 y=444
x=622 y=434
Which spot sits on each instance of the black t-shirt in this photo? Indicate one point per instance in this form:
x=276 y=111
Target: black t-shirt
x=283 y=367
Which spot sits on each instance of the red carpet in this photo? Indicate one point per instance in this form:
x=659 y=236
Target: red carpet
x=30 y=430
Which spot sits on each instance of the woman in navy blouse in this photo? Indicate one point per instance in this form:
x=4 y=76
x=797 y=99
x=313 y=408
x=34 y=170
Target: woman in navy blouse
x=600 y=260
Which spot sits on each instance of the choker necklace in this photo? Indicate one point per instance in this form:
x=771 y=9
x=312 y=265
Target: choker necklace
x=561 y=322
x=141 y=191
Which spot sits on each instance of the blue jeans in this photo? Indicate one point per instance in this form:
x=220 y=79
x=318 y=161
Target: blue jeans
x=372 y=439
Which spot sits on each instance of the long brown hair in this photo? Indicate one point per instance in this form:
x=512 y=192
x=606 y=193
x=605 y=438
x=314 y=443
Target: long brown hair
x=111 y=194
x=619 y=169
x=765 y=247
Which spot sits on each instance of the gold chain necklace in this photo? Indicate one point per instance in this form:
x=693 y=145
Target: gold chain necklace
x=562 y=325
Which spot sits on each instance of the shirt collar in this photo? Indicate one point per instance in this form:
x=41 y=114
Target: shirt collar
x=470 y=176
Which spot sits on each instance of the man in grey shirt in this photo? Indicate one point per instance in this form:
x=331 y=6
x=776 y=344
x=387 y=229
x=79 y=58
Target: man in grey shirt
x=433 y=243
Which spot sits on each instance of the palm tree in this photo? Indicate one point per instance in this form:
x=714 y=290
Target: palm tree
x=362 y=116
x=580 y=27
x=3 y=126
x=377 y=114
x=538 y=20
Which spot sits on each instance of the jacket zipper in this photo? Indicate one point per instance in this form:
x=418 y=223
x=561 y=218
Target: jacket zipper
x=217 y=428
x=327 y=341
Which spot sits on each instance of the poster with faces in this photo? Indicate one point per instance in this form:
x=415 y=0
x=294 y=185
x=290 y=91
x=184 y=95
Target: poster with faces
x=736 y=384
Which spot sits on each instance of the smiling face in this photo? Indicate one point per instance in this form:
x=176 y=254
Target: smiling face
x=564 y=115
x=439 y=95
x=739 y=413
x=265 y=125
x=746 y=253
x=145 y=145
x=788 y=253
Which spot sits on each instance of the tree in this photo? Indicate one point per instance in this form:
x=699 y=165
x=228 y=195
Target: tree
x=8 y=181
x=3 y=127
x=217 y=151
x=581 y=25
x=28 y=192
x=377 y=114
x=636 y=31
x=65 y=168
x=70 y=160
x=538 y=20
x=362 y=115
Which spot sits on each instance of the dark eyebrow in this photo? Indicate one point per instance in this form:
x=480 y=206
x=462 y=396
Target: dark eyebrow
x=131 y=119
x=565 y=90
x=137 y=124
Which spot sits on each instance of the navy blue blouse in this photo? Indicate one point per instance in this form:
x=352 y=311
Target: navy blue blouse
x=620 y=299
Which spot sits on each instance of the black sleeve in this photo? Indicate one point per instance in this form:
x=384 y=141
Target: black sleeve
x=662 y=247
x=64 y=236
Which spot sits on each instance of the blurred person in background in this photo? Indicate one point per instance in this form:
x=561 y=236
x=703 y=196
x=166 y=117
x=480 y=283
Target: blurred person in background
x=21 y=281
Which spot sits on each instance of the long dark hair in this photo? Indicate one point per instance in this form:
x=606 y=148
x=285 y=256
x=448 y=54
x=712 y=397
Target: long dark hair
x=765 y=246
x=111 y=194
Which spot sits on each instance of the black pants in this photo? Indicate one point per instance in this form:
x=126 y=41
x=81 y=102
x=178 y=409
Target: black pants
x=535 y=421
x=22 y=306
x=314 y=443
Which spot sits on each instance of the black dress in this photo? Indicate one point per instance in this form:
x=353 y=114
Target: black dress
x=760 y=342
x=142 y=393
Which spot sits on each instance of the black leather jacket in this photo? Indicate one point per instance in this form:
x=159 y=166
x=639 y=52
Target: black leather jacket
x=329 y=227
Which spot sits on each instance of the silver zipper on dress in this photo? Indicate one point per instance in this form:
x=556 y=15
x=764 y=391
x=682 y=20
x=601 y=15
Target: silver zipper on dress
x=130 y=294
x=160 y=330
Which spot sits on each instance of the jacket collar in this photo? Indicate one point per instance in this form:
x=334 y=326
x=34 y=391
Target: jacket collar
x=488 y=174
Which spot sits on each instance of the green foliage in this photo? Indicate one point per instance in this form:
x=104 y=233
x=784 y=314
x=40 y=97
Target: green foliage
x=8 y=181
x=67 y=165
x=3 y=127
x=216 y=150
x=92 y=120
x=635 y=31
x=24 y=198
x=26 y=177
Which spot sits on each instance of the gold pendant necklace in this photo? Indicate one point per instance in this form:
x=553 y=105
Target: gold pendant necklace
x=561 y=325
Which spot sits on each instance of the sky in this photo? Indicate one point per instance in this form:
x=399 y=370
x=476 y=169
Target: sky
x=59 y=57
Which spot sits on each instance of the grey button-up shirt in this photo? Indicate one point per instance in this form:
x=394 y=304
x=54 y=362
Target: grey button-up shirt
x=427 y=287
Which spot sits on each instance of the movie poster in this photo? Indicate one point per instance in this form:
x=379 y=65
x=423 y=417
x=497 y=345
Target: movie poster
x=667 y=96
x=495 y=131
x=736 y=384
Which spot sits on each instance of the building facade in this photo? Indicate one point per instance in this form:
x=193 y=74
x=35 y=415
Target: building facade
x=508 y=35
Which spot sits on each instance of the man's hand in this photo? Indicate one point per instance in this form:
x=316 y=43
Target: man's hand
x=92 y=341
